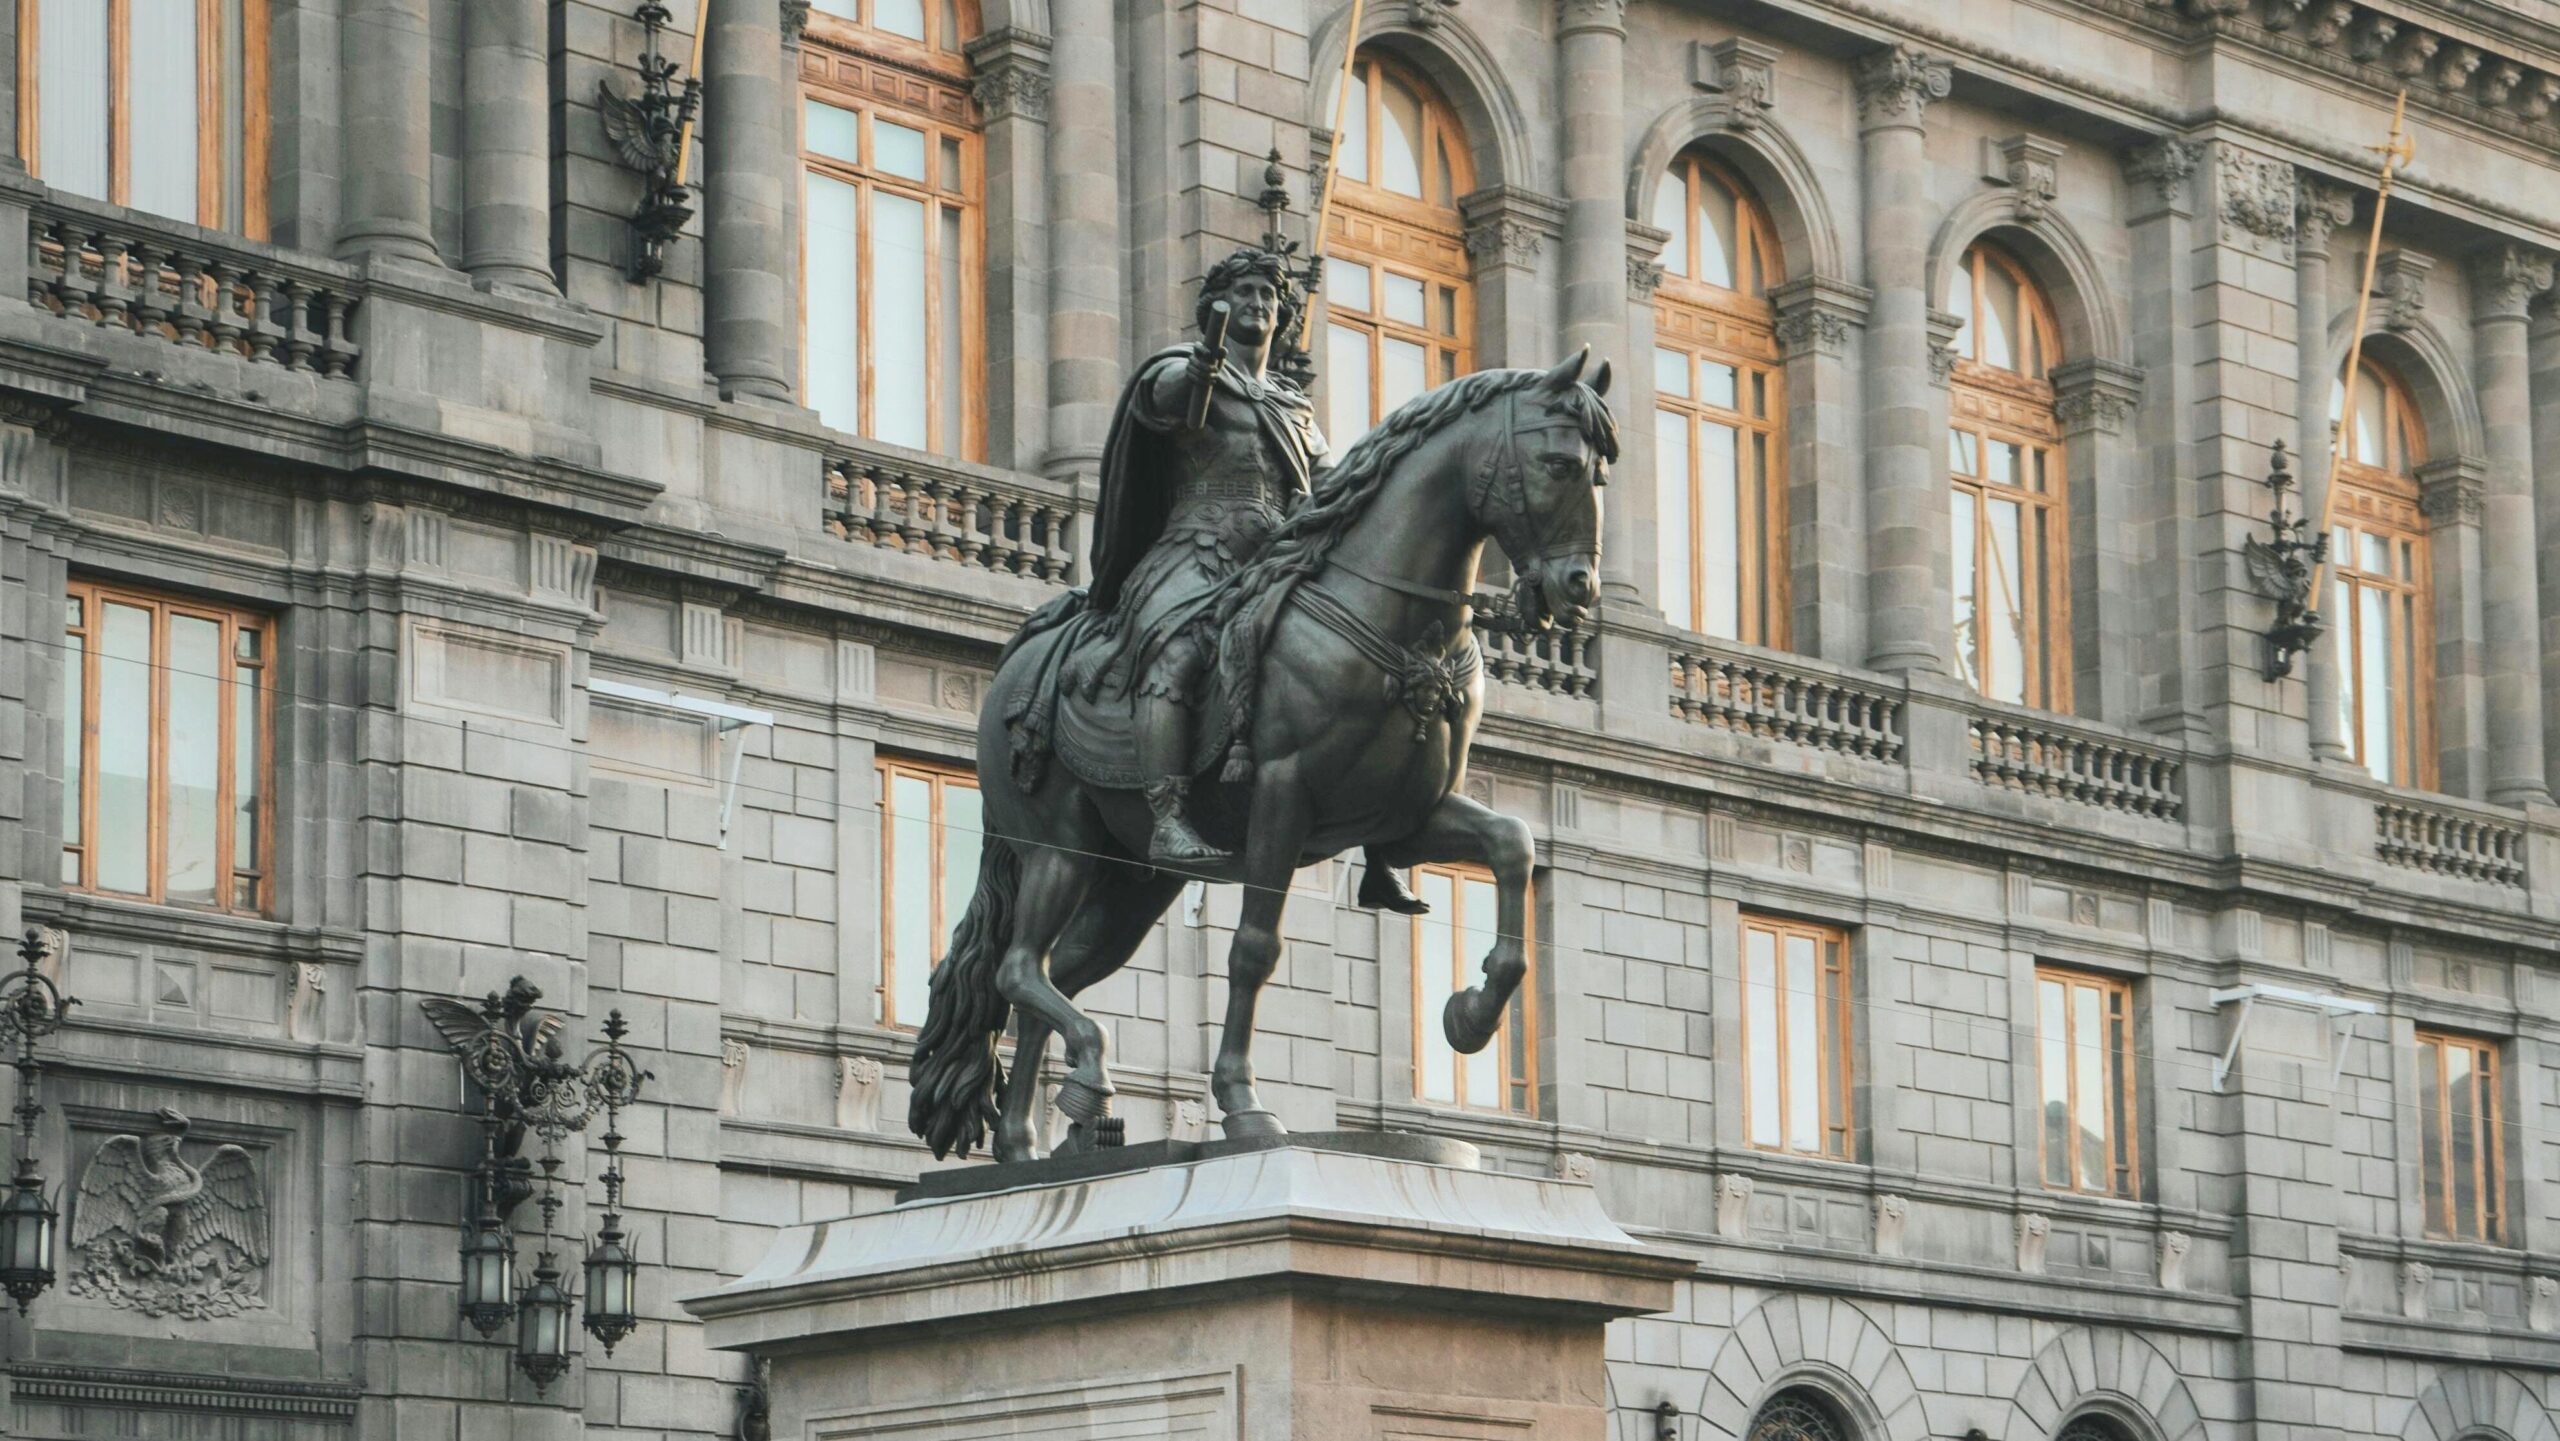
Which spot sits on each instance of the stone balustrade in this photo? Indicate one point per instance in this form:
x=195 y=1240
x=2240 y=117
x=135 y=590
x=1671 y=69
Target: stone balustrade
x=2442 y=840
x=187 y=286
x=952 y=512
x=1779 y=701
x=1559 y=662
x=2071 y=762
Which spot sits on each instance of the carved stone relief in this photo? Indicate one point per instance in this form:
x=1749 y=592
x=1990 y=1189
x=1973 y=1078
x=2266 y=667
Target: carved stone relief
x=2034 y=1230
x=151 y=1232
x=1891 y=1213
x=1733 y=1206
x=858 y=1088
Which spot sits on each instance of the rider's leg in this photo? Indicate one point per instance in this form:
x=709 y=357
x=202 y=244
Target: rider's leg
x=1381 y=889
x=1164 y=754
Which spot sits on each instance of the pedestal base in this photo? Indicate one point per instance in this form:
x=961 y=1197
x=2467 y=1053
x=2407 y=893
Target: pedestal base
x=1253 y=1295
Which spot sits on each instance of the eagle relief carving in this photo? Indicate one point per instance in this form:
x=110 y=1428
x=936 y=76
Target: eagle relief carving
x=153 y=1234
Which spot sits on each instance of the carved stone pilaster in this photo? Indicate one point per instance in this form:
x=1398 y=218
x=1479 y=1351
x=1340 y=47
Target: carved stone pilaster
x=2506 y=278
x=733 y=1073
x=1743 y=72
x=2096 y=395
x=2450 y=490
x=2319 y=208
x=1891 y=1214
x=302 y=1012
x=1818 y=316
x=2172 y=1273
x=2542 y=1308
x=1012 y=78
x=858 y=1089
x=2400 y=283
x=2030 y=166
x=1733 y=1206
x=1896 y=85
x=2163 y=166
x=2415 y=1278
x=1509 y=226
x=2034 y=1229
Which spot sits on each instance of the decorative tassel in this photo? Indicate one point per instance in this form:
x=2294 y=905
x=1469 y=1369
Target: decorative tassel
x=1239 y=768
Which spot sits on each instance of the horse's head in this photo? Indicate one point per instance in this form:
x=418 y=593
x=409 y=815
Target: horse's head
x=1540 y=498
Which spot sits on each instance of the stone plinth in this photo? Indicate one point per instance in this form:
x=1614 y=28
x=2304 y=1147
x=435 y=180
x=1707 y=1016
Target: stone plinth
x=1243 y=1295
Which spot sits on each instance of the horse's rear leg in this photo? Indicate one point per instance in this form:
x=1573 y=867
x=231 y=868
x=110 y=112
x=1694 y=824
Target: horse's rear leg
x=1054 y=882
x=1279 y=827
x=1106 y=930
x=1460 y=829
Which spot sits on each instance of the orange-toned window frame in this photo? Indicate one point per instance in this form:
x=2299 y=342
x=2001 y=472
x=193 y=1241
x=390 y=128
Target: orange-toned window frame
x=2117 y=1090
x=1382 y=233
x=2378 y=502
x=1834 y=1037
x=877 y=75
x=212 y=104
x=80 y=866
x=940 y=780
x=2486 y=1218
x=1697 y=325
x=1514 y=1050
x=1993 y=404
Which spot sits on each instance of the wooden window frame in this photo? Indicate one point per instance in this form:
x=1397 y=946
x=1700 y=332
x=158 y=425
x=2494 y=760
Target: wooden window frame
x=1711 y=325
x=2382 y=501
x=1755 y=234
x=2115 y=993
x=212 y=105
x=1996 y=404
x=1514 y=1058
x=1386 y=233
x=1836 y=1094
x=875 y=76
x=938 y=927
x=2489 y=1151
x=82 y=855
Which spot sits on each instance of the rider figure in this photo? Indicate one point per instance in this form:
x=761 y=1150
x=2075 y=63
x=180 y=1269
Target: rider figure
x=1184 y=506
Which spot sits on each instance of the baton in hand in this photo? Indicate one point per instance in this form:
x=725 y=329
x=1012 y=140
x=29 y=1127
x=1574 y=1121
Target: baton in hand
x=1216 y=348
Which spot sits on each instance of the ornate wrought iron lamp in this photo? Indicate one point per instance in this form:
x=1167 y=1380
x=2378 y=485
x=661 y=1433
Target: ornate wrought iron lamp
x=542 y=1325
x=651 y=133
x=2281 y=567
x=31 y=1008
x=613 y=1273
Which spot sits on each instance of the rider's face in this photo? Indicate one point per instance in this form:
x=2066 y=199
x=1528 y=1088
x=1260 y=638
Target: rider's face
x=1253 y=308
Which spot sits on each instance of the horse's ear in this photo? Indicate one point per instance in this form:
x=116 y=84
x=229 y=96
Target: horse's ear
x=1567 y=371
x=1600 y=380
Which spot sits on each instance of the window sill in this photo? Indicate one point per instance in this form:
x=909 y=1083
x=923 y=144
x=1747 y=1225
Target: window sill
x=85 y=913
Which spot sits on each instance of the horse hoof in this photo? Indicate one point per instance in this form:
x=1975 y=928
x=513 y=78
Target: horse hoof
x=1085 y=1098
x=1255 y=1124
x=1466 y=1037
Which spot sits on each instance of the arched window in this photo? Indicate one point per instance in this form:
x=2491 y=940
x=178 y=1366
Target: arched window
x=2090 y=1426
x=890 y=223
x=1718 y=447
x=156 y=104
x=1399 y=315
x=2004 y=453
x=1797 y=1415
x=2378 y=594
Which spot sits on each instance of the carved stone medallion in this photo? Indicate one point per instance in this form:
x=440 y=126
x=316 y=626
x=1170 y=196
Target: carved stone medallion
x=154 y=1234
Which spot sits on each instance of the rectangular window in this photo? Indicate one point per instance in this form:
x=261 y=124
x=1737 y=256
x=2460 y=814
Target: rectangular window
x=930 y=830
x=2084 y=1066
x=1449 y=946
x=156 y=104
x=2377 y=609
x=2460 y=1148
x=1720 y=507
x=1796 y=1067
x=2011 y=623
x=166 y=725
x=1390 y=335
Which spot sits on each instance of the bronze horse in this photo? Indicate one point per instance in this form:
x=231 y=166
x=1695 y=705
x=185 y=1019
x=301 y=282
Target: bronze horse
x=1352 y=691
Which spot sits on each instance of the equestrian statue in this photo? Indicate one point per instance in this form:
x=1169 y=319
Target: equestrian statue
x=1275 y=661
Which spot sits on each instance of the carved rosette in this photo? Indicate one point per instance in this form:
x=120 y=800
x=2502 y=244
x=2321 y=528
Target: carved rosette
x=2164 y=166
x=1896 y=85
x=2506 y=278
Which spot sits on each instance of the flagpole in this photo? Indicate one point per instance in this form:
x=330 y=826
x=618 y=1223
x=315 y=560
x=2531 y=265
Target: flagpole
x=1333 y=152
x=2397 y=150
x=693 y=73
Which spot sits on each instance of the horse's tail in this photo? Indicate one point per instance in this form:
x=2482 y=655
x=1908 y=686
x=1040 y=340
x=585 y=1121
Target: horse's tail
x=955 y=1074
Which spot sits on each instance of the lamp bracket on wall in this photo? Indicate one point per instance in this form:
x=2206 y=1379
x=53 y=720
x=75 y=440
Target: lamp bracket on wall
x=2342 y=1012
x=2281 y=568
x=650 y=134
x=720 y=713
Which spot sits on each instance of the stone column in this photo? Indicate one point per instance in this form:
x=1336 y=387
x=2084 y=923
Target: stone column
x=1591 y=58
x=1511 y=235
x=2453 y=495
x=384 y=198
x=2503 y=282
x=2544 y=358
x=1634 y=504
x=2320 y=207
x=1084 y=233
x=1909 y=616
x=1012 y=89
x=506 y=90
x=750 y=150
x=1820 y=322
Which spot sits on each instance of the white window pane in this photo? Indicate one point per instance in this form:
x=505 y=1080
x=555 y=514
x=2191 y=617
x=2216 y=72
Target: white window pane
x=2342 y=635
x=1961 y=533
x=963 y=837
x=898 y=339
x=2053 y=1069
x=2008 y=628
x=1999 y=315
x=1401 y=373
x=1673 y=533
x=834 y=301
x=910 y=897
x=1476 y=915
x=1353 y=143
x=1346 y=384
x=193 y=808
x=833 y=132
x=1404 y=299
x=952 y=387
x=1964 y=452
x=247 y=760
x=1671 y=213
x=1346 y=284
x=1719 y=540
x=123 y=833
x=897 y=150
x=71 y=95
x=1716 y=238
x=2003 y=458
x=2089 y=1064
x=1434 y=945
x=75 y=693
x=162 y=59
x=1670 y=372
x=1760 y=1036
x=899 y=17
x=1960 y=305
x=1804 y=1047
x=1399 y=137
x=2373 y=627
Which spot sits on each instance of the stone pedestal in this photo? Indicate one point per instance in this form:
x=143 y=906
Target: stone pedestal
x=1240 y=1294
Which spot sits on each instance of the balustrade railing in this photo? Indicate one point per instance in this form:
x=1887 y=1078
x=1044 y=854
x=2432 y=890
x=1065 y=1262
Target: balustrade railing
x=180 y=285
x=965 y=517
x=1558 y=662
x=2447 y=842
x=1760 y=697
x=2066 y=764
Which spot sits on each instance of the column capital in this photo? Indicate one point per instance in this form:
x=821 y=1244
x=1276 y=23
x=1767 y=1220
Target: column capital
x=1943 y=328
x=2506 y=278
x=1012 y=79
x=2450 y=490
x=2164 y=166
x=1509 y=226
x=2320 y=206
x=795 y=22
x=1644 y=259
x=1816 y=315
x=2096 y=394
x=1896 y=84
x=1575 y=16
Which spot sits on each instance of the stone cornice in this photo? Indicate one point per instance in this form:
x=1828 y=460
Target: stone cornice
x=1896 y=84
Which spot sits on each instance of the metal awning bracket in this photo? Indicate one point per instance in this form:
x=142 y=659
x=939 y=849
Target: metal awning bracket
x=722 y=714
x=2341 y=1010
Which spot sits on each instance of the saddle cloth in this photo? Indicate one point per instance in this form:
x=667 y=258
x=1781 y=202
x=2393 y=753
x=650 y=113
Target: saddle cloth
x=1096 y=736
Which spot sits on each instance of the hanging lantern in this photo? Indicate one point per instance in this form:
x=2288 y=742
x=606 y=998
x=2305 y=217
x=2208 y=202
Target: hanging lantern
x=489 y=1275
x=26 y=1237
x=613 y=1276
x=542 y=1325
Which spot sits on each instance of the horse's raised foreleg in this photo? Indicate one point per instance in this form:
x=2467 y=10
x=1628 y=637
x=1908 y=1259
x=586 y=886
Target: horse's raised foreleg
x=1106 y=930
x=1280 y=819
x=1054 y=883
x=1460 y=829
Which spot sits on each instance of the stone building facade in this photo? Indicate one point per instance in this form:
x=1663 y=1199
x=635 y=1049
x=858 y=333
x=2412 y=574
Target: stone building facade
x=2185 y=1042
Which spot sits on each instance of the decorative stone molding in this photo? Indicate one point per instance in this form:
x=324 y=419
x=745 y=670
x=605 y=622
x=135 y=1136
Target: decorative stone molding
x=795 y=22
x=1187 y=1120
x=302 y=1013
x=2095 y=394
x=564 y=571
x=154 y=1234
x=1743 y=72
x=1643 y=277
x=2164 y=166
x=733 y=1073
x=2400 y=283
x=2542 y=1306
x=1575 y=16
x=2500 y=83
x=2030 y=166
x=2371 y=37
x=2173 y=1260
x=1891 y=1213
x=708 y=637
x=1733 y=1206
x=2456 y=67
x=2506 y=278
x=1896 y=85
x=2319 y=208
x=2257 y=196
x=1573 y=1166
x=1509 y=226
x=2415 y=1278
x=2034 y=1229
x=1817 y=316
x=1427 y=14
x=858 y=1089
x=1012 y=79
x=1943 y=328
x=2450 y=490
